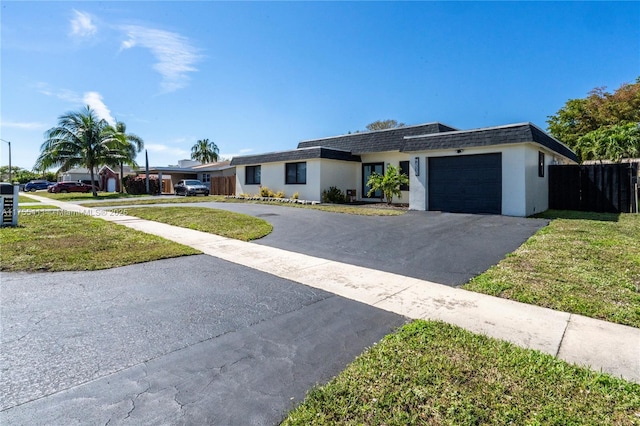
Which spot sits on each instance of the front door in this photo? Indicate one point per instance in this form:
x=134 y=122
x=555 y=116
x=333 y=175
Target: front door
x=367 y=169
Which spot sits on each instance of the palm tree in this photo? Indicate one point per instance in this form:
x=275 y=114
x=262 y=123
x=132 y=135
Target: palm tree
x=129 y=145
x=389 y=183
x=205 y=151
x=81 y=139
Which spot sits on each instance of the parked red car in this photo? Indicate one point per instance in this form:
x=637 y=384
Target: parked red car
x=69 y=187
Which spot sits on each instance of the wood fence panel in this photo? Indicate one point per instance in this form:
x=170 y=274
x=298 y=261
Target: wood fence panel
x=223 y=185
x=596 y=188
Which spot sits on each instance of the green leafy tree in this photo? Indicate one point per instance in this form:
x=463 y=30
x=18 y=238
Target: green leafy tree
x=4 y=173
x=389 y=183
x=613 y=142
x=205 y=151
x=81 y=139
x=384 y=124
x=579 y=117
x=128 y=145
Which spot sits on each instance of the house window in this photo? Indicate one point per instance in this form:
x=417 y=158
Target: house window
x=252 y=176
x=404 y=169
x=206 y=177
x=296 y=173
x=540 y=164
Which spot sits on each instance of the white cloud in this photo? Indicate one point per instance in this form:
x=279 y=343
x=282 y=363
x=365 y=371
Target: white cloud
x=94 y=100
x=165 y=149
x=241 y=152
x=22 y=125
x=175 y=55
x=82 y=24
x=62 y=94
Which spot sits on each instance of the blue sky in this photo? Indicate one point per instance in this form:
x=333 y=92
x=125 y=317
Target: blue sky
x=261 y=76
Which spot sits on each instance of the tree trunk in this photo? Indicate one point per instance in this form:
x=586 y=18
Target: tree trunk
x=93 y=187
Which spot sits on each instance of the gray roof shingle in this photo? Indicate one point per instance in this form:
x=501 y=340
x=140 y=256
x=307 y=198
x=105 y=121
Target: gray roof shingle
x=376 y=141
x=296 y=155
x=513 y=133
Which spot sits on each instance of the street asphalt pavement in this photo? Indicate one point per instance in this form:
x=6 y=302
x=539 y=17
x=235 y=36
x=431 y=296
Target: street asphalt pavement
x=192 y=340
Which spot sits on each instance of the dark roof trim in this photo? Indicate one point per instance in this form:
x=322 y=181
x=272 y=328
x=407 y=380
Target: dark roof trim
x=488 y=136
x=376 y=141
x=296 y=155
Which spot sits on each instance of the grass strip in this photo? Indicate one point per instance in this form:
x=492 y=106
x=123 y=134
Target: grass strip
x=58 y=241
x=583 y=263
x=35 y=207
x=333 y=208
x=172 y=200
x=220 y=222
x=26 y=199
x=431 y=373
x=88 y=196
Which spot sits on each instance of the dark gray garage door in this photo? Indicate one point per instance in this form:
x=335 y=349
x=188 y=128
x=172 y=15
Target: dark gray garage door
x=466 y=183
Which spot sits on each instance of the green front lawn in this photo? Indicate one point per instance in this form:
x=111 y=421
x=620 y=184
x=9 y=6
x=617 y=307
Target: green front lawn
x=583 y=263
x=62 y=241
x=431 y=373
x=79 y=196
x=227 y=224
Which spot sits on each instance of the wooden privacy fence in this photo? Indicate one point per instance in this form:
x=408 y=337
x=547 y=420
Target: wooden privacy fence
x=223 y=185
x=607 y=188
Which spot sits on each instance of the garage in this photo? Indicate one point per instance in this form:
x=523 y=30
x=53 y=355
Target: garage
x=466 y=183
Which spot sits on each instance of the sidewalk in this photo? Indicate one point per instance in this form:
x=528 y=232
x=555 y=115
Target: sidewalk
x=600 y=345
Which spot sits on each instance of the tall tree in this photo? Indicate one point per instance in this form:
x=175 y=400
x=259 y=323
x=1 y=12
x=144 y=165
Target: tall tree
x=81 y=139
x=579 y=117
x=127 y=147
x=384 y=124
x=205 y=151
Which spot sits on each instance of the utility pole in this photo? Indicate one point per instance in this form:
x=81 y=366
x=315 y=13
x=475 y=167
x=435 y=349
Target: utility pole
x=10 y=181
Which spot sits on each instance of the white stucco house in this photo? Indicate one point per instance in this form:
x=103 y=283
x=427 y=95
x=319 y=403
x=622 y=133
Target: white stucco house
x=496 y=170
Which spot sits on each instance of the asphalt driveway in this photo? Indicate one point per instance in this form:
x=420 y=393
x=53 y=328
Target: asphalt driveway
x=446 y=248
x=193 y=340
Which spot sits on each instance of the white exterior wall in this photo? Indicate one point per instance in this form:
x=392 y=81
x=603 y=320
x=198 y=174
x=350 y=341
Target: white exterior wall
x=538 y=187
x=341 y=174
x=418 y=188
x=523 y=192
x=272 y=175
x=241 y=188
x=514 y=185
x=388 y=157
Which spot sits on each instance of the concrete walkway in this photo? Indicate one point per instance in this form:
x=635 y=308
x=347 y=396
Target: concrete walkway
x=600 y=345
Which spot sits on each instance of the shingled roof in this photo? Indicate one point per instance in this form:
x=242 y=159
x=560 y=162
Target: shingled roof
x=296 y=155
x=513 y=133
x=376 y=141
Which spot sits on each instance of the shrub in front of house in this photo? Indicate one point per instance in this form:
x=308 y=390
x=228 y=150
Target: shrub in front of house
x=136 y=185
x=333 y=195
x=266 y=192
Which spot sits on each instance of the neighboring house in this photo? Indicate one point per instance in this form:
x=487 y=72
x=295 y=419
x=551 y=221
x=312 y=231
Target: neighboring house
x=499 y=170
x=189 y=169
x=105 y=178
x=109 y=180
